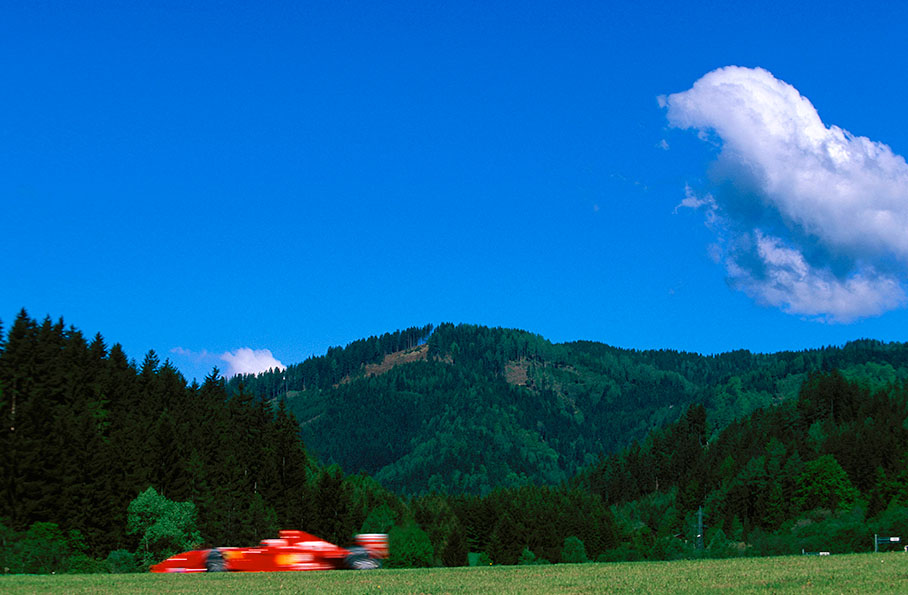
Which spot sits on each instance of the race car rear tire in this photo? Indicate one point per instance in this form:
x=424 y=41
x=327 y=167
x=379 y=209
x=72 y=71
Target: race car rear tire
x=359 y=559
x=215 y=562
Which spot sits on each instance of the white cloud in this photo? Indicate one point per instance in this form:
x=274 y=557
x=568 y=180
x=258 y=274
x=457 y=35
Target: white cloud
x=241 y=361
x=789 y=282
x=810 y=218
x=249 y=361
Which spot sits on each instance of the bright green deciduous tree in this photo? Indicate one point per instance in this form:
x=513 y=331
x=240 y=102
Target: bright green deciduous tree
x=164 y=527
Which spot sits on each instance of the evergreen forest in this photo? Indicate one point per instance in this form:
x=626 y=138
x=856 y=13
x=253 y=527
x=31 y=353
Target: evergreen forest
x=409 y=409
x=467 y=444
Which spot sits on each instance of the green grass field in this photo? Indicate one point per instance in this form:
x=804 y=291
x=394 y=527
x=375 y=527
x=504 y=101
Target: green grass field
x=857 y=573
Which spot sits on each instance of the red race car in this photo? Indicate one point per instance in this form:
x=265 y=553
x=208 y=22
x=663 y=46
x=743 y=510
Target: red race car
x=293 y=550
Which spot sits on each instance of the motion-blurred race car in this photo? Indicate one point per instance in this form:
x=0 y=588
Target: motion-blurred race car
x=293 y=550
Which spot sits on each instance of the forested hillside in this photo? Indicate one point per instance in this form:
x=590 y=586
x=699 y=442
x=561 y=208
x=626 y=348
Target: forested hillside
x=110 y=465
x=822 y=472
x=475 y=408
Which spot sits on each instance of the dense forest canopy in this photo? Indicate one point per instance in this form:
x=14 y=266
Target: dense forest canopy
x=86 y=430
x=463 y=440
x=823 y=471
x=542 y=411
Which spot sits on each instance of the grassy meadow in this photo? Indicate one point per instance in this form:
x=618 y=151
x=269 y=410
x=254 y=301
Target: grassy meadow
x=855 y=573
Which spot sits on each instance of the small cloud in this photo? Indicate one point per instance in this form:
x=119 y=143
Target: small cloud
x=662 y=100
x=241 y=361
x=692 y=201
x=663 y=144
x=250 y=361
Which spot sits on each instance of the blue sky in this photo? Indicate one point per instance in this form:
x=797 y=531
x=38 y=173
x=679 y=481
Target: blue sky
x=199 y=178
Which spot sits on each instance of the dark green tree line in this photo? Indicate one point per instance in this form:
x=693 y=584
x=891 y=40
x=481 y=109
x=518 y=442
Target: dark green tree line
x=85 y=431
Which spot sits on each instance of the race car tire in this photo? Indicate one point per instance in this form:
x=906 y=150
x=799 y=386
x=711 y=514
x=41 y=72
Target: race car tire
x=215 y=562
x=359 y=559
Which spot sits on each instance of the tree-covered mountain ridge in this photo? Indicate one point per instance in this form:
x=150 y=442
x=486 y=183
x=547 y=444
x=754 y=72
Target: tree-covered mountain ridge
x=468 y=408
x=101 y=456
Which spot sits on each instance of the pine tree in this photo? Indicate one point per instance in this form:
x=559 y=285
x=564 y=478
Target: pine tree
x=292 y=466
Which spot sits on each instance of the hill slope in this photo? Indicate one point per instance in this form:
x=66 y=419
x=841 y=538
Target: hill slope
x=470 y=408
